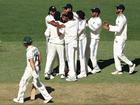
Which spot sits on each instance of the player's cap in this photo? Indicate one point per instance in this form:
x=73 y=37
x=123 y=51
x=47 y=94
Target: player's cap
x=120 y=6
x=96 y=10
x=52 y=8
x=27 y=40
x=68 y=6
x=81 y=14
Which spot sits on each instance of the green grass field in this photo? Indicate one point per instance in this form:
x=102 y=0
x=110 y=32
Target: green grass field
x=26 y=17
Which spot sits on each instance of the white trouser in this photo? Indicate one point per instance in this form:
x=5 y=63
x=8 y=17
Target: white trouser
x=93 y=52
x=82 y=50
x=52 y=49
x=24 y=82
x=119 y=45
x=70 y=56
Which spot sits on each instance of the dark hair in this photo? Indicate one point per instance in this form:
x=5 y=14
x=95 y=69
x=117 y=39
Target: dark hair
x=57 y=15
x=81 y=14
x=52 y=8
x=70 y=15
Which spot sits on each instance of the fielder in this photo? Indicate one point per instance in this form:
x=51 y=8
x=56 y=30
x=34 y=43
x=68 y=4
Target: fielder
x=55 y=44
x=70 y=38
x=82 y=43
x=31 y=72
x=94 y=25
x=120 y=30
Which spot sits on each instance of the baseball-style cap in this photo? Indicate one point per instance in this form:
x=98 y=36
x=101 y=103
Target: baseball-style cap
x=52 y=8
x=96 y=10
x=68 y=6
x=27 y=40
x=120 y=6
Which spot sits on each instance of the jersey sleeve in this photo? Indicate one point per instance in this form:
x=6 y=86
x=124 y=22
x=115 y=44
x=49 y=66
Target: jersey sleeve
x=82 y=26
x=118 y=27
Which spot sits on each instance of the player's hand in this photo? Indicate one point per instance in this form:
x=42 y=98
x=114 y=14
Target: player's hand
x=105 y=25
x=34 y=74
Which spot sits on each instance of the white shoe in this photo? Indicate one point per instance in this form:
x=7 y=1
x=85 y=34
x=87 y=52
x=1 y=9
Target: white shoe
x=117 y=72
x=89 y=69
x=18 y=100
x=71 y=79
x=49 y=76
x=62 y=76
x=48 y=100
x=95 y=71
x=131 y=69
x=82 y=75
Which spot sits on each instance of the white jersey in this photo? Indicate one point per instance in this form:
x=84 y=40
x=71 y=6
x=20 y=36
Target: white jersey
x=71 y=31
x=95 y=25
x=32 y=53
x=75 y=16
x=48 y=19
x=81 y=29
x=53 y=35
x=120 y=28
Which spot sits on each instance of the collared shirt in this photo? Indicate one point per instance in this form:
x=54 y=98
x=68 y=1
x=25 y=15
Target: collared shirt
x=53 y=34
x=32 y=53
x=120 y=28
x=71 y=30
x=95 y=24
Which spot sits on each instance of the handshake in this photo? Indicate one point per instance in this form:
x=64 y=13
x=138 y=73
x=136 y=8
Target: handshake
x=105 y=25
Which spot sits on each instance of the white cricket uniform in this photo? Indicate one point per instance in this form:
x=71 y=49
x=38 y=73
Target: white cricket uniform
x=32 y=53
x=94 y=24
x=55 y=44
x=82 y=46
x=120 y=30
x=70 y=32
x=48 y=19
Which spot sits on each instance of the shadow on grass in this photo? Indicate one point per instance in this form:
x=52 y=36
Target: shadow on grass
x=102 y=63
x=48 y=88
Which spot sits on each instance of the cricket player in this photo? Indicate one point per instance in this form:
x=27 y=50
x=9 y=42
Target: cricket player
x=55 y=44
x=120 y=30
x=95 y=25
x=82 y=43
x=70 y=38
x=31 y=72
x=69 y=8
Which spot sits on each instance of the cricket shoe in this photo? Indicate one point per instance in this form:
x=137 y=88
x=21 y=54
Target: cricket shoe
x=62 y=76
x=81 y=75
x=117 y=72
x=48 y=76
x=48 y=100
x=95 y=71
x=132 y=68
x=71 y=79
x=16 y=100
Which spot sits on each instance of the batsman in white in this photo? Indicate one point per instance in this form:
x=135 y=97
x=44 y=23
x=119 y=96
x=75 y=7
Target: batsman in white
x=70 y=37
x=82 y=43
x=55 y=44
x=31 y=72
x=120 y=30
x=95 y=25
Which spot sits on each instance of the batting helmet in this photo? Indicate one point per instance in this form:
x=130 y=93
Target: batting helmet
x=27 y=40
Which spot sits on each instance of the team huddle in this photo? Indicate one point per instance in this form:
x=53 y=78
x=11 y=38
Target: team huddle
x=66 y=36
